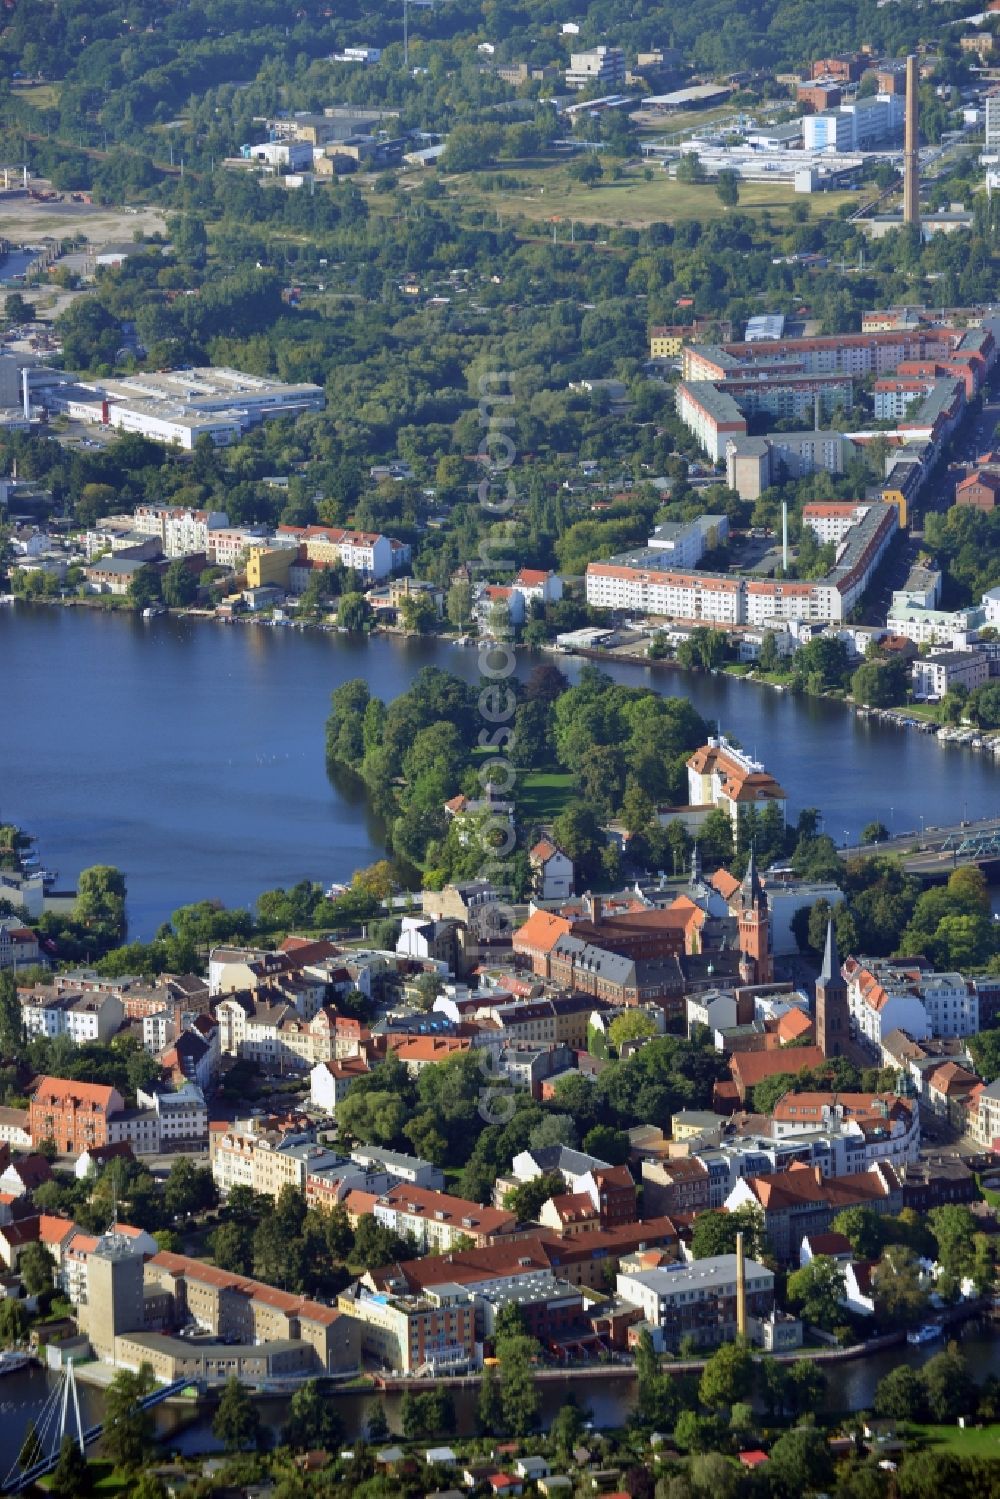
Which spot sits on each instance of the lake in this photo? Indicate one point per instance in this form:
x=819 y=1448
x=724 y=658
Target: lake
x=190 y=754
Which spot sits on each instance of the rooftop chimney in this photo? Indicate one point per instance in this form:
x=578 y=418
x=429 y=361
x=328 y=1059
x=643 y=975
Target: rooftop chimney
x=911 y=150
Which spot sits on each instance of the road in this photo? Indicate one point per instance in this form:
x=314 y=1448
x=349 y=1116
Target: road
x=928 y=839
x=972 y=440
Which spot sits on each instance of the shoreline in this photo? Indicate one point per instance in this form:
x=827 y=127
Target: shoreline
x=898 y=717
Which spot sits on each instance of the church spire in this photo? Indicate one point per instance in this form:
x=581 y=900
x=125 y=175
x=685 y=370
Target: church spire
x=753 y=890
x=696 y=864
x=830 y=971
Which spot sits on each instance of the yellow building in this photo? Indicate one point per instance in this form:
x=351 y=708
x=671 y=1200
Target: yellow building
x=269 y=565
x=666 y=343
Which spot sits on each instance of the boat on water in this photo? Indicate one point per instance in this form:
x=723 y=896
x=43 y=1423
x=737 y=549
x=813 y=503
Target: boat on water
x=11 y=1359
x=152 y=611
x=49 y=876
x=925 y=1334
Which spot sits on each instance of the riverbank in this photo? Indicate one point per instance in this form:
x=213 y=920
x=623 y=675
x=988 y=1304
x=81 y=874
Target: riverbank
x=911 y=716
x=246 y=804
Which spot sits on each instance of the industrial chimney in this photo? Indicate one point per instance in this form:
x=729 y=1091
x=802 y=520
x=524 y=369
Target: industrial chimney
x=741 y=1289
x=911 y=148
x=784 y=536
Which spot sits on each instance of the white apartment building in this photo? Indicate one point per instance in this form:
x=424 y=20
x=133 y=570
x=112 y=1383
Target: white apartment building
x=884 y=997
x=830 y=520
x=683 y=543
x=711 y=415
x=182 y=1116
x=181 y=532
x=83 y=1018
x=638 y=582
x=935 y=675
x=992 y=103
x=227 y=544
x=601 y=67
x=933 y=626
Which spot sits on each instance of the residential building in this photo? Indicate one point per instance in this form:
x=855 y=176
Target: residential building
x=437 y=1221
x=801 y=1201
x=936 y=675
x=432 y=1333
x=683 y=543
x=75 y=1115
x=696 y=1301
x=602 y=68
x=330 y=1082
x=180 y=531
x=552 y=871
x=889 y=995
x=751 y=1067
x=537 y=586
x=83 y=1017
x=372 y=555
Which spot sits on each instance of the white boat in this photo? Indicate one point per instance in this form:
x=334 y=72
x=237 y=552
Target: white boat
x=11 y=1360
x=152 y=610
x=925 y=1334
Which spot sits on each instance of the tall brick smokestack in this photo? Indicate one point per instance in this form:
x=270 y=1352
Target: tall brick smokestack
x=911 y=150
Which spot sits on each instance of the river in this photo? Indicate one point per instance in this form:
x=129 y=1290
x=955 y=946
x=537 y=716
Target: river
x=190 y=754
x=851 y=1387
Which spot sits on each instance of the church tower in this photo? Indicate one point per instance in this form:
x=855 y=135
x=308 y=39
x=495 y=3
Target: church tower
x=832 y=1012
x=754 y=922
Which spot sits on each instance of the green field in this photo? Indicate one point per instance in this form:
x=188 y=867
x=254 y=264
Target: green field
x=972 y=1442
x=544 y=794
x=547 y=192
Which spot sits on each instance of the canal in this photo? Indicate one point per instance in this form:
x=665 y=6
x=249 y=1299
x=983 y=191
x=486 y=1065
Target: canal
x=851 y=1387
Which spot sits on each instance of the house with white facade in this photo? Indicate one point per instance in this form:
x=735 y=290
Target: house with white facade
x=83 y=1017
x=552 y=871
x=884 y=996
x=534 y=584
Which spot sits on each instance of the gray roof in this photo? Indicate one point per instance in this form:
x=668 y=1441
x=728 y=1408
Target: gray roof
x=563 y=1158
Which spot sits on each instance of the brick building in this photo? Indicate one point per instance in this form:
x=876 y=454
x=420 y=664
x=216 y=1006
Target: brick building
x=75 y=1115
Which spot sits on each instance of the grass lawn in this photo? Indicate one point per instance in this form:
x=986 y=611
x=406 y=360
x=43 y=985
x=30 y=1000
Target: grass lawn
x=41 y=95
x=544 y=793
x=105 y=1479
x=972 y=1442
x=547 y=192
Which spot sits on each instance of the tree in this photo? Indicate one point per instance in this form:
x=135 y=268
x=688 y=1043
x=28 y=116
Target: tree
x=874 y=832
x=13 y=1321
x=728 y=1376
x=900 y=1293
x=863 y=1228
x=11 y=1022
x=518 y=1394
x=128 y=1430
x=313 y=1421
x=236 y=1423
x=953 y=1228
x=769 y=660
x=902 y=1395
x=951 y=1391
x=180 y=586
x=32 y=1450
x=715 y=1232
x=232 y=1248
x=727 y=185
x=800 y=1461
x=189 y=1188
x=377 y=1429
x=354 y=613
x=816 y=1291
x=35 y=1269
x=489 y=1410
x=633 y=1025
x=694 y=1433
x=607 y=1144
x=528 y=1199
x=144 y=588
x=71 y=1475
x=100 y=899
